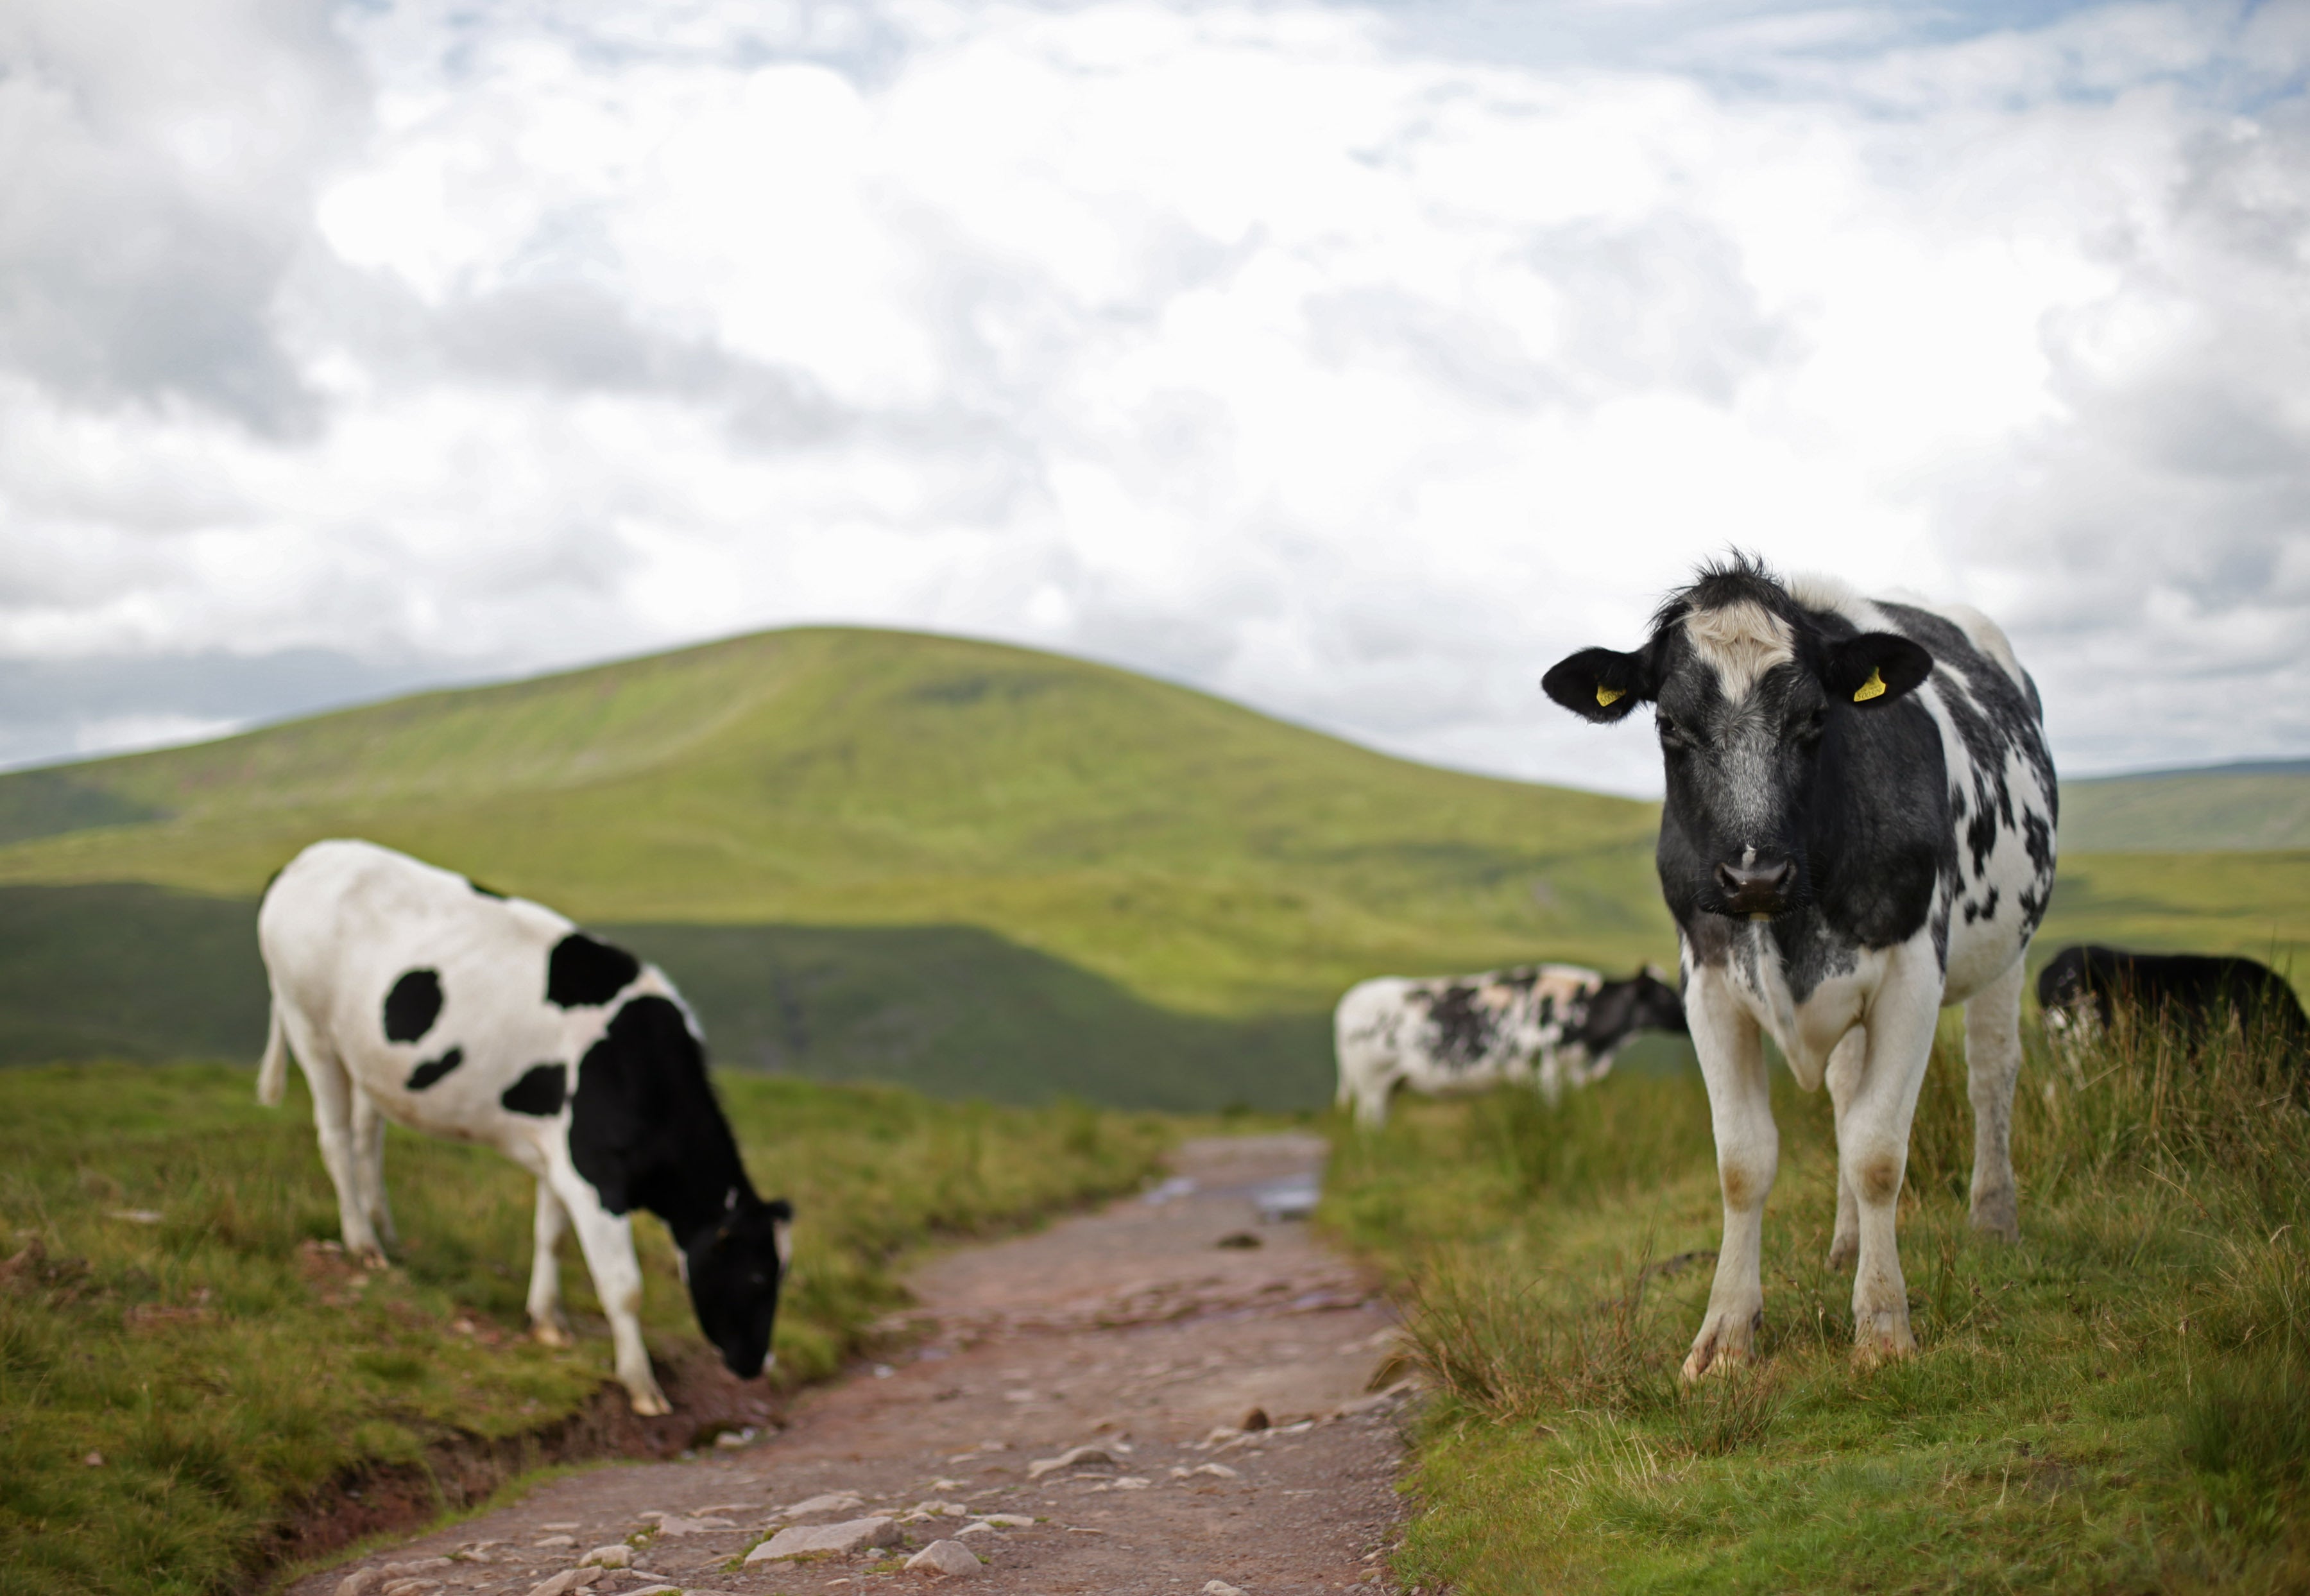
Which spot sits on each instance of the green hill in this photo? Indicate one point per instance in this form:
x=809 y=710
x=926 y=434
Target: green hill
x=957 y=865
x=963 y=864
x=2232 y=808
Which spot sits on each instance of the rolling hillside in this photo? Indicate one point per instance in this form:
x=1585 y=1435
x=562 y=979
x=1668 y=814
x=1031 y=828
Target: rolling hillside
x=960 y=863
x=2229 y=809
x=957 y=866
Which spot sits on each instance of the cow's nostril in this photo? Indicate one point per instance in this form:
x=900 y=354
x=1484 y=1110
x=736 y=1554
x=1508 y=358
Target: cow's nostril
x=1756 y=886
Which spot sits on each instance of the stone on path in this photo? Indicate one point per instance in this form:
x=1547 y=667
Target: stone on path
x=945 y=1557
x=361 y=1581
x=1068 y=1459
x=825 y=1502
x=801 y=1540
x=616 y=1555
x=675 y=1524
x=1219 y=1587
x=568 y=1578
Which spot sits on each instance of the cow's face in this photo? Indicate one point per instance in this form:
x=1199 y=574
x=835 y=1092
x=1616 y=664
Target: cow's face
x=1750 y=701
x=735 y=1272
x=1643 y=1002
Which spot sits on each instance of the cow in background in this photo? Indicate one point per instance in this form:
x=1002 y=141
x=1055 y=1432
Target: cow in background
x=1859 y=828
x=2081 y=989
x=409 y=993
x=1557 y=1025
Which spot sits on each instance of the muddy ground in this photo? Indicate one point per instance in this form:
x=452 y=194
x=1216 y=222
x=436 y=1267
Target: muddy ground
x=1215 y=1358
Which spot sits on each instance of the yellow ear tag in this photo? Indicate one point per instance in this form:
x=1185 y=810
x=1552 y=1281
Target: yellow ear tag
x=1874 y=688
x=1609 y=696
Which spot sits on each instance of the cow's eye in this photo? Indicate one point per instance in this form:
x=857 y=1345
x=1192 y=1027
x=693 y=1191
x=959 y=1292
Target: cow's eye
x=1672 y=735
x=1810 y=728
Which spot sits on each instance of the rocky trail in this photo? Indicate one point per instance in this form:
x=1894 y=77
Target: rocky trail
x=1170 y=1395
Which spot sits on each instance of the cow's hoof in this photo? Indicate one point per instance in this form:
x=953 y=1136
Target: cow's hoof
x=1844 y=1251
x=651 y=1404
x=1998 y=1217
x=1882 y=1341
x=546 y=1333
x=371 y=1257
x=1723 y=1344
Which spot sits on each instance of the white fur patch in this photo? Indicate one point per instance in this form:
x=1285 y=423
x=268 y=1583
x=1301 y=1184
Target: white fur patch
x=1740 y=642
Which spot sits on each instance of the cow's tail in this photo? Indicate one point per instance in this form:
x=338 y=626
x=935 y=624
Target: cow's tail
x=273 y=1069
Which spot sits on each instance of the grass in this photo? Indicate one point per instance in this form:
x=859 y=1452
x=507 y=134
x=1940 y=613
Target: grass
x=1201 y=856
x=222 y=1369
x=2225 y=811
x=132 y=971
x=2120 y=1403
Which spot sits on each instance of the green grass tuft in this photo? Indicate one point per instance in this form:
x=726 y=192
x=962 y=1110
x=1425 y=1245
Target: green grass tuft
x=221 y=1369
x=2120 y=1402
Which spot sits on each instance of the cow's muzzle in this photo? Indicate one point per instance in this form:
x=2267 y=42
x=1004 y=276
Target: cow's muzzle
x=1759 y=887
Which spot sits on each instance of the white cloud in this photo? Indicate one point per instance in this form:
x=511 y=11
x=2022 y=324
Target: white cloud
x=1358 y=363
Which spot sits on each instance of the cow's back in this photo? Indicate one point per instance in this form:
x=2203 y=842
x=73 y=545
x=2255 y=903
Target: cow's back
x=428 y=990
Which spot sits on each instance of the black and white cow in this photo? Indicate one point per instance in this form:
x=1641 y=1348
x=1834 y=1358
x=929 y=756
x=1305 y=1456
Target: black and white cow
x=1859 y=828
x=408 y=994
x=2082 y=989
x=1552 y=1024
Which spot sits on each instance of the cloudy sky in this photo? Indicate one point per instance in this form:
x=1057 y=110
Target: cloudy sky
x=1355 y=360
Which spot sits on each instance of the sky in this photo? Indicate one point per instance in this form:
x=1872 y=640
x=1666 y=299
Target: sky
x=1355 y=361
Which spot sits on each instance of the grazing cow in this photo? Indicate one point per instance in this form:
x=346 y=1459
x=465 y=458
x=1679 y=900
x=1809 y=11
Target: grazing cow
x=409 y=993
x=1468 y=1033
x=2082 y=989
x=1859 y=828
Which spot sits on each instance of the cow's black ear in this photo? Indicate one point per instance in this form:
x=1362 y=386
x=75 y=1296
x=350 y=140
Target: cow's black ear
x=1875 y=668
x=1598 y=684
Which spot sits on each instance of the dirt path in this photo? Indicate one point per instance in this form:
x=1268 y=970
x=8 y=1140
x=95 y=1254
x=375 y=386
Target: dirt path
x=1139 y=1330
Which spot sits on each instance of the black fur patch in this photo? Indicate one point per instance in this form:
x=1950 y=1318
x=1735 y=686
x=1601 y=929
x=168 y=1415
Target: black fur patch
x=645 y=1130
x=585 y=973
x=540 y=1092
x=426 y=1074
x=412 y=1005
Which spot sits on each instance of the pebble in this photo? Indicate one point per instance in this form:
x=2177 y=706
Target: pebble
x=825 y=1502
x=796 y=1540
x=548 y=1542
x=1007 y=1521
x=616 y=1555
x=675 y=1524
x=411 y=1587
x=1217 y=1470
x=361 y=1581
x=1219 y=1587
x=945 y=1557
x=1068 y=1459
x=568 y=1578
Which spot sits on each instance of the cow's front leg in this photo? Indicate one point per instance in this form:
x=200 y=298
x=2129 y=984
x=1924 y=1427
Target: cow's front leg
x=368 y=1165
x=1747 y=1156
x=1845 y=1063
x=1873 y=1143
x=546 y=1320
x=607 y=1240
x=1992 y=1059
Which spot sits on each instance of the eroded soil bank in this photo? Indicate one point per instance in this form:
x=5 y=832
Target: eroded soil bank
x=1139 y=1330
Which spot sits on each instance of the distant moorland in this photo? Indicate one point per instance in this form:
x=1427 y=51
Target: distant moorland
x=970 y=868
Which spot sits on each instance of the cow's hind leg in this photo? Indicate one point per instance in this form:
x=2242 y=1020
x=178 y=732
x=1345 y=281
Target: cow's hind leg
x=546 y=1321
x=368 y=1165
x=1993 y=1058
x=1747 y=1156
x=1844 y=1077
x=607 y=1240
x=332 y=1121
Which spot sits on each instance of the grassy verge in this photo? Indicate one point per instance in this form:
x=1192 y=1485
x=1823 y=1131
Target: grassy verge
x=163 y=1311
x=2120 y=1403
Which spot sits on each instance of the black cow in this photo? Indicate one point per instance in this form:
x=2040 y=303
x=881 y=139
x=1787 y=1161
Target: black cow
x=1859 y=828
x=2195 y=992
x=409 y=993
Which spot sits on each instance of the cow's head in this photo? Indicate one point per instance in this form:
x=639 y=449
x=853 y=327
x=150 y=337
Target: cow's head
x=1618 y=1010
x=734 y=1269
x=1750 y=690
